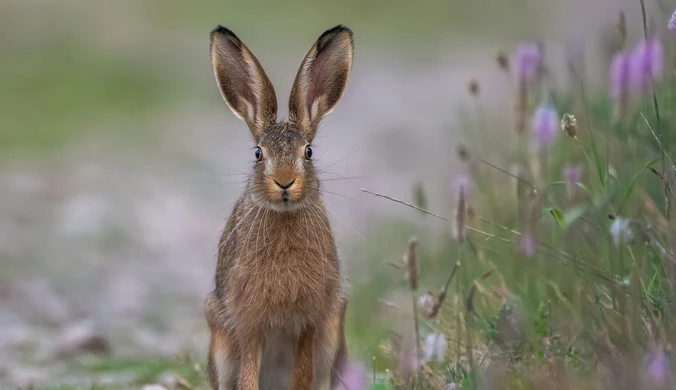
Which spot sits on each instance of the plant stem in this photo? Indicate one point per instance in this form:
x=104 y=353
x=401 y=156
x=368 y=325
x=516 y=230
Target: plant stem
x=417 y=337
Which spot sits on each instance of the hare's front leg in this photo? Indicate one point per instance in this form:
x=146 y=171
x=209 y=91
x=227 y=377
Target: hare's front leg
x=250 y=355
x=329 y=353
x=222 y=359
x=302 y=369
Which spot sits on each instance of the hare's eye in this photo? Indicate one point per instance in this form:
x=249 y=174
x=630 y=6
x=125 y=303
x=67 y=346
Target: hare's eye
x=308 y=152
x=258 y=153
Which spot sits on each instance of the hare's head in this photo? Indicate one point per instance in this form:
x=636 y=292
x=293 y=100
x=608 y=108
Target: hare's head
x=284 y=176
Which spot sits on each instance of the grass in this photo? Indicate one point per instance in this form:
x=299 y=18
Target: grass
x=586 y=307
x=60 y=92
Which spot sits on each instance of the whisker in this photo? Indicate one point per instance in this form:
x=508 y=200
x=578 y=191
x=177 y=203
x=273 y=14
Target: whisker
x=343 y=221
x=319 y=242
x=340 y=176
x=348 y=178
x=335 y=194
x=342 y=159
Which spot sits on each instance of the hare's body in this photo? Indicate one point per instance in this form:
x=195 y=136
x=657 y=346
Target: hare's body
x=295 y=288
x=277 y=311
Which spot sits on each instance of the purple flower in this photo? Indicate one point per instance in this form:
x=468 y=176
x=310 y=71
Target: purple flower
x=619 y=76
x=527 y=245
x=672 y=23
x=657 y=369
x=528 y=61
x=573 y=174
x=544 y=126
x=461 y=184
x=647 y=62
x=353 y=377
x=435 y=347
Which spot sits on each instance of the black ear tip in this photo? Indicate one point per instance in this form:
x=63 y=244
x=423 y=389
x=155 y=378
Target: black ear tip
x=220 y=30
x=337 y=30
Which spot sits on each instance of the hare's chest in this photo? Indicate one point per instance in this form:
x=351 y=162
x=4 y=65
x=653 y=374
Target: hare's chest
x=290 y=286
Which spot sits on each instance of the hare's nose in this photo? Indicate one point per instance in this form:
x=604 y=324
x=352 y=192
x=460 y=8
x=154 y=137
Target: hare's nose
x=285 y=186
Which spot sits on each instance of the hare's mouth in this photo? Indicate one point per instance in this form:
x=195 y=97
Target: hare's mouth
x=286 y=206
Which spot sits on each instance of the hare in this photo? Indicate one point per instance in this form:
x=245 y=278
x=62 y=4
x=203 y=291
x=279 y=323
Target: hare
x=277 y=312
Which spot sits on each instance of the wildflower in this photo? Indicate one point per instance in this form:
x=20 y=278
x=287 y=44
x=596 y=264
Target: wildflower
x=435 y=347
x=544 y=125
x=621 y=231
x=572 y=175
x=412 y=263
x=569 y=125
x=646 y=64
x=657 y=368
x=619 y=83
x=427 y=304
x=528 y=62
x=672 y=23
x=426 y=301
x=461 y=185
x=451 y=386
x=527 y=245
x=353 y=377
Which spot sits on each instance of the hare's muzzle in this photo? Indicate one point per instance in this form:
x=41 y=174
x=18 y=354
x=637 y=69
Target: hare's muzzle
x=285 y=187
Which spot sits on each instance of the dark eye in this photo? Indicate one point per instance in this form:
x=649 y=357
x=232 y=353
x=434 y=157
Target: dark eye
x=258 y=153
x=308 y=152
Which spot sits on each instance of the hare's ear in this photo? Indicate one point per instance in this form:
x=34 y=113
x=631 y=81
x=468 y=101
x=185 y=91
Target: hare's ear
x=321 y=79
x=242 y=81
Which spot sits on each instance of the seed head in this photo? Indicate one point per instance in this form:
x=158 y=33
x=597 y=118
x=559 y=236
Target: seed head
x=430 y=304
x=461 y=189
x=502 y=61
x=463 y=153
x=622 y=27
x=473 y=88
x=420 y=196
x=412 y=262
x=569 y=125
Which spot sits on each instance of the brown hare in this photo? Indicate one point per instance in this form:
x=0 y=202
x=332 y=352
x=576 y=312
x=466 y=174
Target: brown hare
x=277 y=311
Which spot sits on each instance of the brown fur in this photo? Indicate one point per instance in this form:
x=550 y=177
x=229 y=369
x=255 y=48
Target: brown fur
x=277 y=311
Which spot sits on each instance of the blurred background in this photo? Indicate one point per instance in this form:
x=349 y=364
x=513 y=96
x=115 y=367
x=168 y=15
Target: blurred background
x=120 y=162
